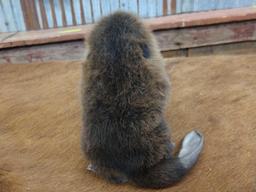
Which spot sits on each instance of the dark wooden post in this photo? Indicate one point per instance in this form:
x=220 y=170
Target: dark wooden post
x=173 y=7
x=30 y=14
x=164 y=7
x=53 y=14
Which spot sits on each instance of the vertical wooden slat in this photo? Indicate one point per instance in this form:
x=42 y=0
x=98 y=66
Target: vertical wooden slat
x=87 y=11
x=68 y=13
x=39 y=14
x=18 y=15
x=196 y=5
x=143 y=8
x=151 y=8
x=53 y=14
x=26 y=14
x=35 y=20
x=91 y=6
x=73 y=12
x=43 y=14
x=77 y=12
x=188 y=5
x=156 y=11
x=147 y=8
x=179 y=4
x=49 y=16
x=114 y=5
x=244 y=3
x=30 y=15
x=96 y=10
x=58 y=13
x=101 y=11
x=3 y=26
x=132 y=6
x=159 y=9
x=105 y=7
x=8 y=13
x=82 y=12
x=138 y=7
x=127 y=5
x=63 y=13
x=203 y=6
x=14 y=16
x=218 y=4
x=173 y=6
x=164 y=7
x=213 y=4
x=110 y=6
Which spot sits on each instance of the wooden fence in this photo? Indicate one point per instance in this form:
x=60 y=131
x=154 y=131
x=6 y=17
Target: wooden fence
x=22 y=15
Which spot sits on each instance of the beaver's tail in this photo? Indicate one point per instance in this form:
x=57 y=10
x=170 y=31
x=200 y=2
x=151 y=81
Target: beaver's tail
x=169 y=171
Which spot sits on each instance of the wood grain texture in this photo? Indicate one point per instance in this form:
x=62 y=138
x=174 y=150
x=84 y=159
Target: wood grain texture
x=3 y=26
x=73 y=12
x=40 y=125
x=206 y=35
x=92 y=13
x=63 y=13
x=174 y=39
x=202 y=18
x=173 y=7
x=47 y=36
x=165 y=7
x=30 y=14
x=8 y=15
x=35 y=21
x=4 y=36
x=43 y=14
x=138 y=7
x=82 y=15
x=75 y=51
x=155 y=24
x=53 y=14
x=69 y=51
x=241 y=48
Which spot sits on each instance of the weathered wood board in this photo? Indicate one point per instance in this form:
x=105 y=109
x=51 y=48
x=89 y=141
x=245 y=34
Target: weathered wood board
x=183 y=39
x=160 y=23
x=240 y=48
x=206 y=35
x=73 y=50
x=232 y=49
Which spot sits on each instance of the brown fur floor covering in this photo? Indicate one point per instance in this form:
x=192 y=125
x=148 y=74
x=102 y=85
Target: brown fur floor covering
x=40 y=126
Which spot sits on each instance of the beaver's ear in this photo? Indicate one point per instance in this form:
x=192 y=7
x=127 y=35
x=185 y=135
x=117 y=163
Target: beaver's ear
x=145 y=50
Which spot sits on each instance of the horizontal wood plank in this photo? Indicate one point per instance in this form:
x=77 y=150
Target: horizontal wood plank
x=240 y=48
x=206 y=35
x=156 y=24
x=229 y=49
x=202 y=18
x=73 y=50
